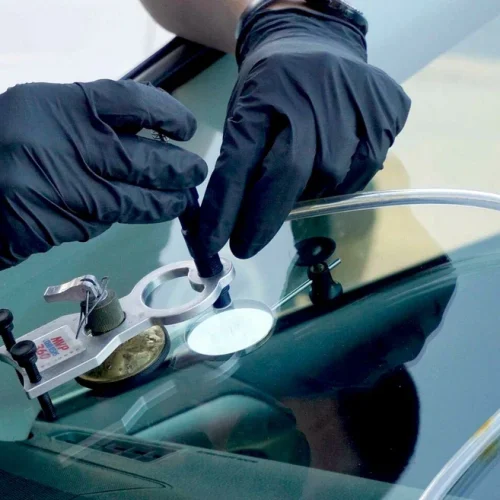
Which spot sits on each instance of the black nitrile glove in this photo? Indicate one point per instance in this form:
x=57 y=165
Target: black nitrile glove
x=308 y=118
x=71 y=166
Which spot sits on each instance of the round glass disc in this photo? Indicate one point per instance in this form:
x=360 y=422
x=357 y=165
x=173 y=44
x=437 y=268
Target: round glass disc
x=240 y=328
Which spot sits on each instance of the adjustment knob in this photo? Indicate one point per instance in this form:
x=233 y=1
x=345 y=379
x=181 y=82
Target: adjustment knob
x=314 y=251
x=6 y=328
x=24 y=354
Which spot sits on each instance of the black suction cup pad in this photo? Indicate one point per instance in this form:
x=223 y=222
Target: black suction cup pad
x=314 y=251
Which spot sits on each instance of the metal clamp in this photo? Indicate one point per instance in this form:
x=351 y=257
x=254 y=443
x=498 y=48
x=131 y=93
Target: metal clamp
x=63 y=357
x=75 y=290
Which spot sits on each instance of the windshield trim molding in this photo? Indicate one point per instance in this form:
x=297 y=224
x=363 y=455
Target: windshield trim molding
x=175 y=64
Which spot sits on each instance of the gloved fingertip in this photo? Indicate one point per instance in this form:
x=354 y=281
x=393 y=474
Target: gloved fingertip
x=200 y=171
x=193 y=172
x=244 y=251
x=179 y=206
x=209 y=245
x=188 y=131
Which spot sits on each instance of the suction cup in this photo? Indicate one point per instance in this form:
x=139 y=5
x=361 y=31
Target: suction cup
x=314 y=251
x=131 y=363
x=238 y=329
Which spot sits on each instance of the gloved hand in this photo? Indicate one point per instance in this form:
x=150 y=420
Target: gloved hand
x=71 y=166
x=308 y=118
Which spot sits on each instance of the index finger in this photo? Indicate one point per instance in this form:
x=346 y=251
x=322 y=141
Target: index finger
x=242 y=152
x=127 y=105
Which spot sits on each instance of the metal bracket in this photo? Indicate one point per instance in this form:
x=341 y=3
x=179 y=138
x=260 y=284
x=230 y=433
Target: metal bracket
x=62 y=357
x=75 y=290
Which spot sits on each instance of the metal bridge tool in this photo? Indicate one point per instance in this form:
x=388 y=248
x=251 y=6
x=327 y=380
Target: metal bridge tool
x=76 y=346
x=113 y=342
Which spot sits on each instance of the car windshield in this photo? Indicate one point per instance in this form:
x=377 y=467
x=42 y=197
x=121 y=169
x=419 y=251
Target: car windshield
x=369 y=383
x=56 y=41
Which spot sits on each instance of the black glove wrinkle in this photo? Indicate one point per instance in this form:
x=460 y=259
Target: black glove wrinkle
x=269 y=26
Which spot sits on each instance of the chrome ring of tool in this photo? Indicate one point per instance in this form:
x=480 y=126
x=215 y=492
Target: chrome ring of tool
x=209 y=289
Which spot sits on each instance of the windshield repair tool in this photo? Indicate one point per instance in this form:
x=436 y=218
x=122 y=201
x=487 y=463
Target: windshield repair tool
x=113 y=341
x=303 y=287
x=137 y=359
x=108 y=323
x=248 y=324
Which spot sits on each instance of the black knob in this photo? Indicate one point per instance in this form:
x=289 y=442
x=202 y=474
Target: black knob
x=6 y=318
x=6 y=328
x=24 y=354
x=314 y=251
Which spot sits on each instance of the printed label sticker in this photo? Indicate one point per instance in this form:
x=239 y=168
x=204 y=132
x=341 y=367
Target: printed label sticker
x=57 y=347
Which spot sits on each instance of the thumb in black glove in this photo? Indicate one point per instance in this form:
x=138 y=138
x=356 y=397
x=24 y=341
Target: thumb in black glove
x=71 y=164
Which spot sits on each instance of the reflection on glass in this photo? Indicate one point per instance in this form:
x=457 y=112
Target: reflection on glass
x=343 y=389
x=469 y=466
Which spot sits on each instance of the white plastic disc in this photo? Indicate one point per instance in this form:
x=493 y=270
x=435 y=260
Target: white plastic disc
x=237 y=329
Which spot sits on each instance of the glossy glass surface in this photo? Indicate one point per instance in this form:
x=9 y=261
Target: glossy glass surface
x=368 y=399
x=58 y=41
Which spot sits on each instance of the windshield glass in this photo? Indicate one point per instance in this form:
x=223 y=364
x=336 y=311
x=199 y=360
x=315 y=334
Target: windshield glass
x=58 y=41
x=367 y=396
